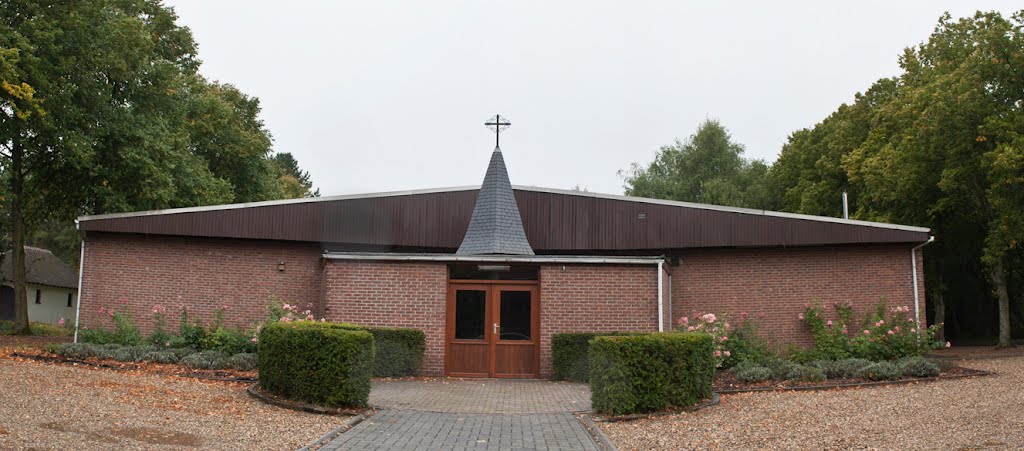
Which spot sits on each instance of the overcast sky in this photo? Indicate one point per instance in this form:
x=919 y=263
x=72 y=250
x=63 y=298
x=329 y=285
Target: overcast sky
x=380 y=96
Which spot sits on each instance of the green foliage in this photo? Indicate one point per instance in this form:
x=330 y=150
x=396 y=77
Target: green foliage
x=805 y=373
x=213 y=336
x=96 y=336
x=231 y=341
x=399 y=352
x=753 y=374
x=708 y=167
x=781 y=368
x=321 y=363
x=918 y=366
x=939 y=145
x=880 y=371
x=746 y=345
x=78 y=351
x=207 y=360
x=125 y=331
x=643 y=373
x=244 y=361
x=570 y=357
x=887 y=334
x=831 y=337
x=841 y=369
x=162 y=357
x=102 y=110
x=41 y=329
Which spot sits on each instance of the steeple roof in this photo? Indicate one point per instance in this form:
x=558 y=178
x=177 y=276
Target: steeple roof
x=495 y=227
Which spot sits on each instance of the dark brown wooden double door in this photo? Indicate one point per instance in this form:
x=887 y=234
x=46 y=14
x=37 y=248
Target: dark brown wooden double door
x=493 y=330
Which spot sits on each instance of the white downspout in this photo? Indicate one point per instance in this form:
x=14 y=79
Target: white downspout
x=661 y=298
x=81 y=270
x=913 y=271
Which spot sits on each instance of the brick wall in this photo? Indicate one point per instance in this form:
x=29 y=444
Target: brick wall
x=773 y=285
x=392 y=294
x=135 y=272
x=595 y=298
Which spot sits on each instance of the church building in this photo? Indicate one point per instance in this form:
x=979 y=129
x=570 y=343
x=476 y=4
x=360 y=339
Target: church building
x=491 y=272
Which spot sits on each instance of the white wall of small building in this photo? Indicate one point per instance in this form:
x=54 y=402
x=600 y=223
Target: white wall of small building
x=53 y=304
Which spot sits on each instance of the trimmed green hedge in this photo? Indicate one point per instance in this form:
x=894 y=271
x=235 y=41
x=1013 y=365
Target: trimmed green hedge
x=328 y=364
x=644 y=373
x=569 y=358
x=399 y=351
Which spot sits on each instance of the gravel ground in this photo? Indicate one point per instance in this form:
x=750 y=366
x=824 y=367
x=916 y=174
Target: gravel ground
x=977 y=413
x=64 y=407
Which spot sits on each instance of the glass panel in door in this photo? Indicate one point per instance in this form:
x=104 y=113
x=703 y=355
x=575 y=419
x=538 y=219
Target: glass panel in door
x=515 y=315
x=470 y=314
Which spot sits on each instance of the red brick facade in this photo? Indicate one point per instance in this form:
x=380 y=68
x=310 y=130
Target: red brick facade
x=393 y=294
x=773 y=285
x=135 y=272
x=595 y=298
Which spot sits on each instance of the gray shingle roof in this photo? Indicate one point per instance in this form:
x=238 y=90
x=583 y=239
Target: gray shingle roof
x=495 y=227
x=41 y=268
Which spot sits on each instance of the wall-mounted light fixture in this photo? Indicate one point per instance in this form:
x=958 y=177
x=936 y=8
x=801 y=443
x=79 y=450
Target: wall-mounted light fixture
x=280 y=266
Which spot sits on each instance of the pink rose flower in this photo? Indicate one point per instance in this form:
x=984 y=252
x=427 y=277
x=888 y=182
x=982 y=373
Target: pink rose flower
x=684 y=320
x=913 y=331
x=102 y=310
x=890 y=332
x=800 y=317
x=167 y=344
x=718 y=353
x=253 y=339
x=867 y=332
x=60 y=322
x=829 y=323
x=724 y=338
x=727 y=353
x=948 y=344
x=710 y=317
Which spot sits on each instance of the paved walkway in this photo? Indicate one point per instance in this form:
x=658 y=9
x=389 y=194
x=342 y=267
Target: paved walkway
x=481 y=396
x=482 y=414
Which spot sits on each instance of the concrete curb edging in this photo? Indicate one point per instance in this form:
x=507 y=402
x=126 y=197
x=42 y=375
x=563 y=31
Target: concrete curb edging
x=328 y=437
x=715 y=399
x=728 y=391
x=255 y=392
x=595 y=431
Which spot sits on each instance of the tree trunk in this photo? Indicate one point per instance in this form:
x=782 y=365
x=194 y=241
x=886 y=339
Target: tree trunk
x=21 y=325
x=940 y=315
x=999 y=280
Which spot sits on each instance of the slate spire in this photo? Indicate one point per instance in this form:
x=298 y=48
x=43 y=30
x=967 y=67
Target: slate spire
x=495 y=227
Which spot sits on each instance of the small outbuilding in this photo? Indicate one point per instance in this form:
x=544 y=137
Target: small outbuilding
x=52 y=288
x=491 y=272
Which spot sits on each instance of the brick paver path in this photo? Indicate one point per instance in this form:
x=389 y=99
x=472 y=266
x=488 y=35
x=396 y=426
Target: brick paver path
x=484 y=414
x=481 y=396
x=417 y=430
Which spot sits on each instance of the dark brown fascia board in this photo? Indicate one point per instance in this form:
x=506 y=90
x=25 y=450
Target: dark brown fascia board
x=618 y=197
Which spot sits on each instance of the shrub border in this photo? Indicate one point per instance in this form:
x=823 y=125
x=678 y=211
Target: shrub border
x=732 y=391
x=713 y=401
x=257 y=392
x=127 y=366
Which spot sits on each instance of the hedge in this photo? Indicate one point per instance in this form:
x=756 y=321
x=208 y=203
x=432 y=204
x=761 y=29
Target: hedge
x=569 y=358
x=644 y=373
x=399 y=352
x=329 y=364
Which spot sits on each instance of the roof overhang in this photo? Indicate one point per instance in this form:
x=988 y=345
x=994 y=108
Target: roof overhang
x=452 y=258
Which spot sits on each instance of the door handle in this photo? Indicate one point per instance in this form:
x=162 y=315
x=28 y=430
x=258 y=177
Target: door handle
x=495 y=328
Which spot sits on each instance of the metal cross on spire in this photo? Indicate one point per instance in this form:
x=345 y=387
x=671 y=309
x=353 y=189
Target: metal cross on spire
x=497 y=124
